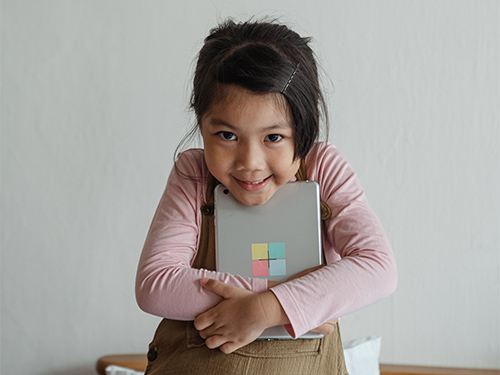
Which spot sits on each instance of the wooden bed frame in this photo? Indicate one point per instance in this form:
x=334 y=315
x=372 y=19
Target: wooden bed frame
x=421 y=370
x=138 y=362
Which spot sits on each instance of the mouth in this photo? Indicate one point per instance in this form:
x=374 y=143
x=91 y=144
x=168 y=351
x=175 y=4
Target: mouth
x=253 y=185
x=254 y=182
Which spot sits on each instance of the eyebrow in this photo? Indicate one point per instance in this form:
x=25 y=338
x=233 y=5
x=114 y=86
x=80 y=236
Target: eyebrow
x=219 y=122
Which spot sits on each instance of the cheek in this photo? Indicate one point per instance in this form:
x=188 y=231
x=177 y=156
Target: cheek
x=288 y=170
x=216 y=163
x=211 y=153
x=210 y=158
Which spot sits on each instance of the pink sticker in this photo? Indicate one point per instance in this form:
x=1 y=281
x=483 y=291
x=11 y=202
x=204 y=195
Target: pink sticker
x=260 y=268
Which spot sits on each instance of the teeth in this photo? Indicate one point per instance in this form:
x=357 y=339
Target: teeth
x=254 y=183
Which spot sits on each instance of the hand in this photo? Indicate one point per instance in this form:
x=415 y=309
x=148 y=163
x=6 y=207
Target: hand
x=239 y=318
x=326 y=328
x=272 y=284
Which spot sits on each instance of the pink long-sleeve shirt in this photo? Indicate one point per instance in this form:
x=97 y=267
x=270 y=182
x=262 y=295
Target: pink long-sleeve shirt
x=360 y=264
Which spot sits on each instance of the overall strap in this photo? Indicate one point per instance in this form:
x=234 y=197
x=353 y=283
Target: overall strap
x=205 y=258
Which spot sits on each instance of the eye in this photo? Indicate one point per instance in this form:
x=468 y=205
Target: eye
x=228 y=136
x=274 y=138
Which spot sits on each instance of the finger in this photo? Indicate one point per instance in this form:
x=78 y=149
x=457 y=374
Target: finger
x=228 y=347
x=215 y=341
x=217 y=287
x=202 y=322
x=205 y=333
x=212 y=330
x=326 y=328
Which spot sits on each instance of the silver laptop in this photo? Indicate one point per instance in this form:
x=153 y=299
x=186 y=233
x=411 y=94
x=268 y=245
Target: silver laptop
x=273 y=241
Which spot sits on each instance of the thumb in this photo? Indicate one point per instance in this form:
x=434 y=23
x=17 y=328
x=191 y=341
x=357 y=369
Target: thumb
x=218 y=287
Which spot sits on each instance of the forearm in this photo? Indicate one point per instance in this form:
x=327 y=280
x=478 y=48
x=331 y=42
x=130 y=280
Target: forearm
x=175 y=293
x=274 y=312
x=341 y=288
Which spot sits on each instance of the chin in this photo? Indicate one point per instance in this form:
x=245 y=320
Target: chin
x=253 y=201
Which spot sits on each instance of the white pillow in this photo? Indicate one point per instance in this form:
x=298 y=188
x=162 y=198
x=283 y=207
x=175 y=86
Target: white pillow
x=118 y=370
x=362 y=355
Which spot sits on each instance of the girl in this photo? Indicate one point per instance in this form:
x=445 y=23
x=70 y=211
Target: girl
x=257 y=100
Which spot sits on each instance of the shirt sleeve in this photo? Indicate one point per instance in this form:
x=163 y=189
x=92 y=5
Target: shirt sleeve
x=166 y=284
x=361 y=268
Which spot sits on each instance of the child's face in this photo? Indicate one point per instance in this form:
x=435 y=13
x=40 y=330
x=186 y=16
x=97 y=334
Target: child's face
x=249 y=144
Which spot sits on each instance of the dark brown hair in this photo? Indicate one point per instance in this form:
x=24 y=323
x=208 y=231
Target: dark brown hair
x=264 y=57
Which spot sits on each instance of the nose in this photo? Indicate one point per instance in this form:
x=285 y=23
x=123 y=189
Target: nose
x=250 y=157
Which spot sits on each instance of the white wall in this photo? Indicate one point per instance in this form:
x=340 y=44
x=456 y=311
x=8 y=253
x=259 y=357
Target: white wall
x=94 y=98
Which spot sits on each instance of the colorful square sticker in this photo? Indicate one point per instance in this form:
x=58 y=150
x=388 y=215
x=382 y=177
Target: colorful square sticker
x=260 y=268
x=259 y=251
x=268 y=259
x=277 y=267
x=277 y=250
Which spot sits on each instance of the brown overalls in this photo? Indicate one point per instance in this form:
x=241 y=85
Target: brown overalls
x=177 y=347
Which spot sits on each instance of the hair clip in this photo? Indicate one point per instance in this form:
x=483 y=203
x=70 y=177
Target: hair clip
x=290 y=79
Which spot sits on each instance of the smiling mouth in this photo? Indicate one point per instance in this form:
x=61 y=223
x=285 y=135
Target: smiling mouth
x=253 y=185
x=255 y=182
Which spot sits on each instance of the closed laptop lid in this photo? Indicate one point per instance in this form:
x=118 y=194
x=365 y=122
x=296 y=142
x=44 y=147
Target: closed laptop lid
x=274 y=241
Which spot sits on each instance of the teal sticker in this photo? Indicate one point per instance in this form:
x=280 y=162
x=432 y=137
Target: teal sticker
x=276 y=250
